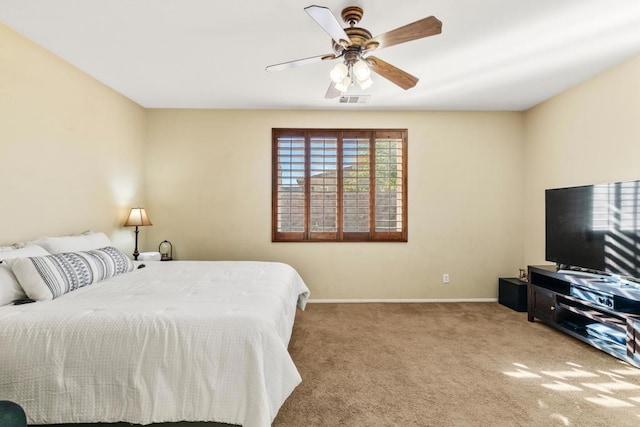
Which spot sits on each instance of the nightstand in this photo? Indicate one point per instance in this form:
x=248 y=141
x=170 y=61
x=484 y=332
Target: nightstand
x=512 y=293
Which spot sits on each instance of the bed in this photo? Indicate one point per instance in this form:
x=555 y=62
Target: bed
x=172 y=341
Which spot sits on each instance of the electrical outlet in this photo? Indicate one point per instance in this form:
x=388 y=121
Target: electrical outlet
x=445 y=278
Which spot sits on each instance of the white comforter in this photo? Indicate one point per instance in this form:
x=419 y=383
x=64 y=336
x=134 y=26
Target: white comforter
x=174 y=341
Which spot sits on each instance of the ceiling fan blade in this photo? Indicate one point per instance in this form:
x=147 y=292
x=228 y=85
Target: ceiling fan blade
x=327 y=20
x=300 y=62
x=423 y=28
x=332 y=92
x=391 y=73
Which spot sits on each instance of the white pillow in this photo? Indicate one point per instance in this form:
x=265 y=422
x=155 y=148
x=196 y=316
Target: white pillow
x=24 y=243
x=75 y=243
x=10 y=289
x=27 y=251
x=7 y=248
x=48 y=277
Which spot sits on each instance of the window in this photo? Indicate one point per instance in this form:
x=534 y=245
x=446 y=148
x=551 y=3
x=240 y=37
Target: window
x=339 y=185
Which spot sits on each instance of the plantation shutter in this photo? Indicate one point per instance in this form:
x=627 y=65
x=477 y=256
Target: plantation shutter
x=323 y=188
x=390 y=182
x=339 y=185
x=289 y=193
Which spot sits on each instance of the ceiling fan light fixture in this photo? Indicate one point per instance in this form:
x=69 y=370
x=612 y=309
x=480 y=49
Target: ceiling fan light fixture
x=344 y=84
x=361 y=70
x=353 y=45
x=339 y=72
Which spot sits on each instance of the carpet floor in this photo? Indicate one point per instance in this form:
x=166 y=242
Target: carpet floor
x=450 y=364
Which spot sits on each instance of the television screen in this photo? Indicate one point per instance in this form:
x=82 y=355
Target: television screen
x=595 y=227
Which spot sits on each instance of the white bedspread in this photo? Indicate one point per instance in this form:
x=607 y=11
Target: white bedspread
x=175 y=341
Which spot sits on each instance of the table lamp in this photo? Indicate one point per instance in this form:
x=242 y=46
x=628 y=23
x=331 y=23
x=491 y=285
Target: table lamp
x=137 y=218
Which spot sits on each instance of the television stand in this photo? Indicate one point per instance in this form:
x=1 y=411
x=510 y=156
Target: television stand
x=601 y=313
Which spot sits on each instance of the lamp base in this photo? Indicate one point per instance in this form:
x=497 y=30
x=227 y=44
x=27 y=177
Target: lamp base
x=135 y=251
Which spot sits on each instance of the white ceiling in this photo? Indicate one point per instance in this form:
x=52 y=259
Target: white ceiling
x=491 y=55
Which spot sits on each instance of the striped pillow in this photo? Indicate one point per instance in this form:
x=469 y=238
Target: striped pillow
x=48 y=277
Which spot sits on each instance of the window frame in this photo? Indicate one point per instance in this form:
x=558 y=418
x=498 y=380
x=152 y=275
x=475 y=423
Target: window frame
x=340 y=235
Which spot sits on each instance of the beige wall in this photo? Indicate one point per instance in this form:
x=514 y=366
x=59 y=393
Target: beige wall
x=71 y=149
x=209 y=191
x=589 y=134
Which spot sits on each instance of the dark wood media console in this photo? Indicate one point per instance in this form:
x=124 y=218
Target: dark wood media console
x=594 y=309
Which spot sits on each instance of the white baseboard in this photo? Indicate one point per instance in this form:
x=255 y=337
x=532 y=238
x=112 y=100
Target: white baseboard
x=417 y=300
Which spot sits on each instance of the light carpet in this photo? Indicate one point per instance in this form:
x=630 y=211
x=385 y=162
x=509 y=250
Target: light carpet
x=450 y=364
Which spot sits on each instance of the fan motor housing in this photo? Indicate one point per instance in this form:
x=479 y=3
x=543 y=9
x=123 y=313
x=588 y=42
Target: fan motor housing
x=358 y=36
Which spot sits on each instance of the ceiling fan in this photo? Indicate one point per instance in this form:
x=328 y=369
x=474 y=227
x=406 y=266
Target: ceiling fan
x=354 y=46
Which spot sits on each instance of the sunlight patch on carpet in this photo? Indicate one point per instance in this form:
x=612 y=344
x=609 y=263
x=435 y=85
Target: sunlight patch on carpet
x=615 y=393
x=609 y=401
x=611 y=387
x=519 y=373
x=627 y=371
x=573 y=373
x=564 y=420
x=560 y=386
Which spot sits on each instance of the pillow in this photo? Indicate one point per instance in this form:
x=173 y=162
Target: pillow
x=75 y=243
x=27 y=251
x=10 y=289
x=48 y=277
x=7 y=248
x=24 y=243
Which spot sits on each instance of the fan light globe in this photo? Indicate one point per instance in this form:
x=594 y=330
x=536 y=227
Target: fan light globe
x=365 y=84
x=339 y=72
x=344 y=84
x=361 y=70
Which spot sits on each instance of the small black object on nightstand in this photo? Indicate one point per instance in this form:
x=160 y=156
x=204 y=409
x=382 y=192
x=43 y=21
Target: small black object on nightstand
x=512 y=293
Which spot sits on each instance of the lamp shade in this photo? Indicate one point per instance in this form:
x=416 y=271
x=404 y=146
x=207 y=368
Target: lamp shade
x=339 y=72
x=365 y=84
x=361 y=71
x=137 y=217
x=344 y=84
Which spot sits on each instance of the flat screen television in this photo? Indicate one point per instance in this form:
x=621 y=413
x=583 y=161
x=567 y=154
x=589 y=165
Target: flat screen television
x=595 y=228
